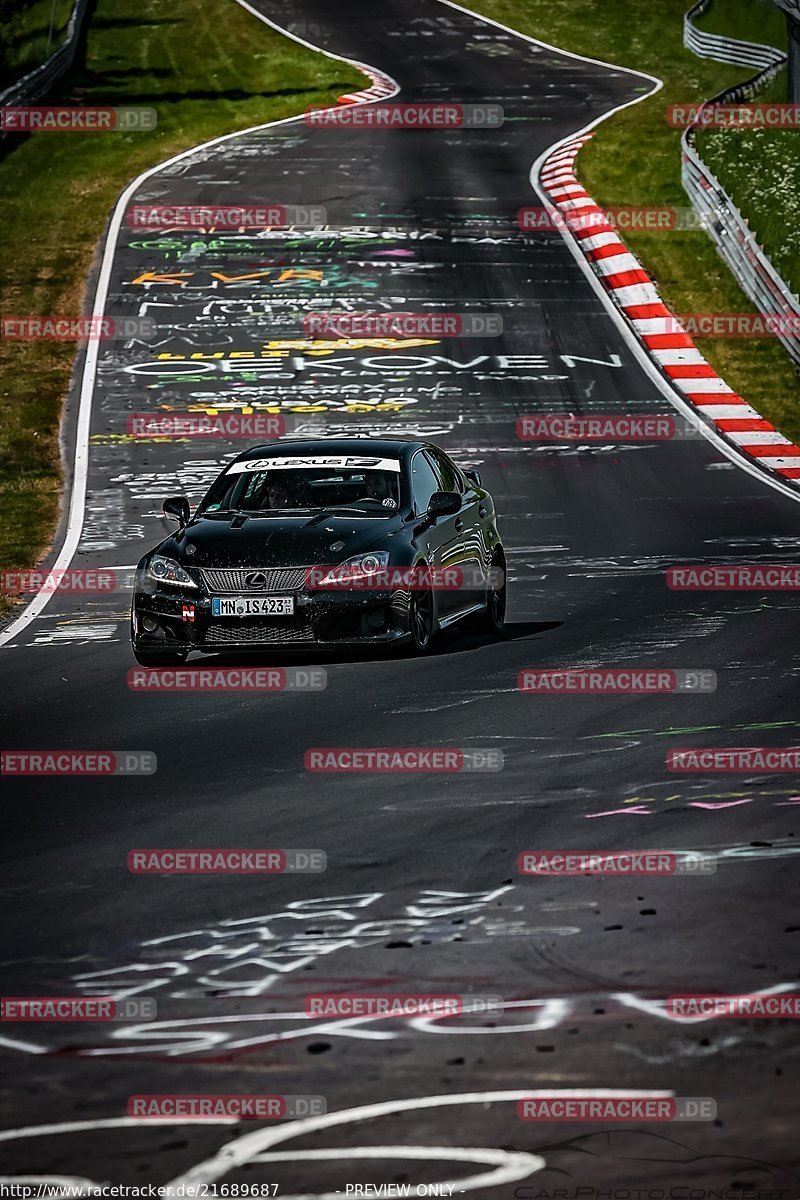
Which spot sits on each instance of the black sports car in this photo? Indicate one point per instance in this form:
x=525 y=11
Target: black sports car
x=321 y=543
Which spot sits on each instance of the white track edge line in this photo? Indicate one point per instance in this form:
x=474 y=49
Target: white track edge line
x=78 y=493
x=80 y=475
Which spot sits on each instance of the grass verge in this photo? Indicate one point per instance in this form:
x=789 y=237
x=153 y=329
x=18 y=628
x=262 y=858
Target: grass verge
x=30 y=32
x=205 y=77
x=759 y=168
x=634 y=159
x=758 y=21
x=760 y=171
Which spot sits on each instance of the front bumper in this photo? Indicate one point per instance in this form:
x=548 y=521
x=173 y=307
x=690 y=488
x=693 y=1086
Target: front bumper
x=184 y=621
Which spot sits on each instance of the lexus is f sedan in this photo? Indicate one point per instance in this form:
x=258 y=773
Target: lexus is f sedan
x=320 y=543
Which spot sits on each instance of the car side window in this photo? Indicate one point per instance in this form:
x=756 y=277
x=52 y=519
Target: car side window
x=424 y=481
x=251 y=496
x=448 y=474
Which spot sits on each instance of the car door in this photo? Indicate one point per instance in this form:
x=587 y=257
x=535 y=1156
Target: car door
x=466 y=550
x=439 y=539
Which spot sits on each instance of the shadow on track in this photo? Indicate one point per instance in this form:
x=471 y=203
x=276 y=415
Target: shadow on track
x=448 y=643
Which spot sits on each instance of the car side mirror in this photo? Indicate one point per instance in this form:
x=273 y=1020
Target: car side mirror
x=474 y=477
x=443 y=504
x=177 y=509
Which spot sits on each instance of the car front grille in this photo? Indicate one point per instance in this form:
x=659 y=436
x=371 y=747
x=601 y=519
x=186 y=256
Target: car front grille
x=274 y=632
x=278 y=579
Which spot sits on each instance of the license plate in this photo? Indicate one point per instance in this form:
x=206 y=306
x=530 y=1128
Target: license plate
x=252 y=606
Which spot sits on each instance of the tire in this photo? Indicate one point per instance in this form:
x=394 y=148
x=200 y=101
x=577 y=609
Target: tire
x=493 y=618
x=160 y=658
x=155 y=656
x=421 y=620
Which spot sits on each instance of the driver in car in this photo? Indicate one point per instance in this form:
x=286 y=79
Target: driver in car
x=278 y=495
x=378 y=487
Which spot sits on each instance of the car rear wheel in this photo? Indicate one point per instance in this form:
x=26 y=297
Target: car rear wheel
x=421 y=620
x=493 y=617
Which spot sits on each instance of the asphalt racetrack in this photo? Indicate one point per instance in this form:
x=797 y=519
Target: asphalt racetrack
x=421 y=892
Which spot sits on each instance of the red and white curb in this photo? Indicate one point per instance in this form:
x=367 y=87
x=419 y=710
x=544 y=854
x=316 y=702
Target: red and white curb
x=660 y=332
x=381 y=87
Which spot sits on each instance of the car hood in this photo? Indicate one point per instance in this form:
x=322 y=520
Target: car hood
x=266 y=541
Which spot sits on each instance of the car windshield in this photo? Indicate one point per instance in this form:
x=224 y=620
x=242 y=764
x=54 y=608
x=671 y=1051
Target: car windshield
x=370 y=486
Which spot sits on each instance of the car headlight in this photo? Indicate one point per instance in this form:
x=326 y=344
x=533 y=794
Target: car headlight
x=357 y=569
x=166 y=570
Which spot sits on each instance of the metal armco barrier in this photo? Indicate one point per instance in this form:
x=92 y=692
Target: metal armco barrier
x=37 y=83
x=725 y=49
x=730 y=231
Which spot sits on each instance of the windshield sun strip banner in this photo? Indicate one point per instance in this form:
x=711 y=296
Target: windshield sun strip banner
x=339 y=461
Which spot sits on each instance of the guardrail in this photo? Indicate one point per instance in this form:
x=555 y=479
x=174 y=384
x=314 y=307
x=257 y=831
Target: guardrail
x=37 y=83
x=790 y=6
x=729 y=230
x=725 y=49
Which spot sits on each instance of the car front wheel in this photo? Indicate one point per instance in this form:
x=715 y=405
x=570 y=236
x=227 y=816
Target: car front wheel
x=494 y=615
x=155 y=656
x=421 y=620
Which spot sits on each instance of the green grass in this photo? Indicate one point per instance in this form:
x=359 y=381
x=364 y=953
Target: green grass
x=205 y=77
x=634 y=159
x=760 y=168
x=26 y=35
x=757 y=21
x=760 y=171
